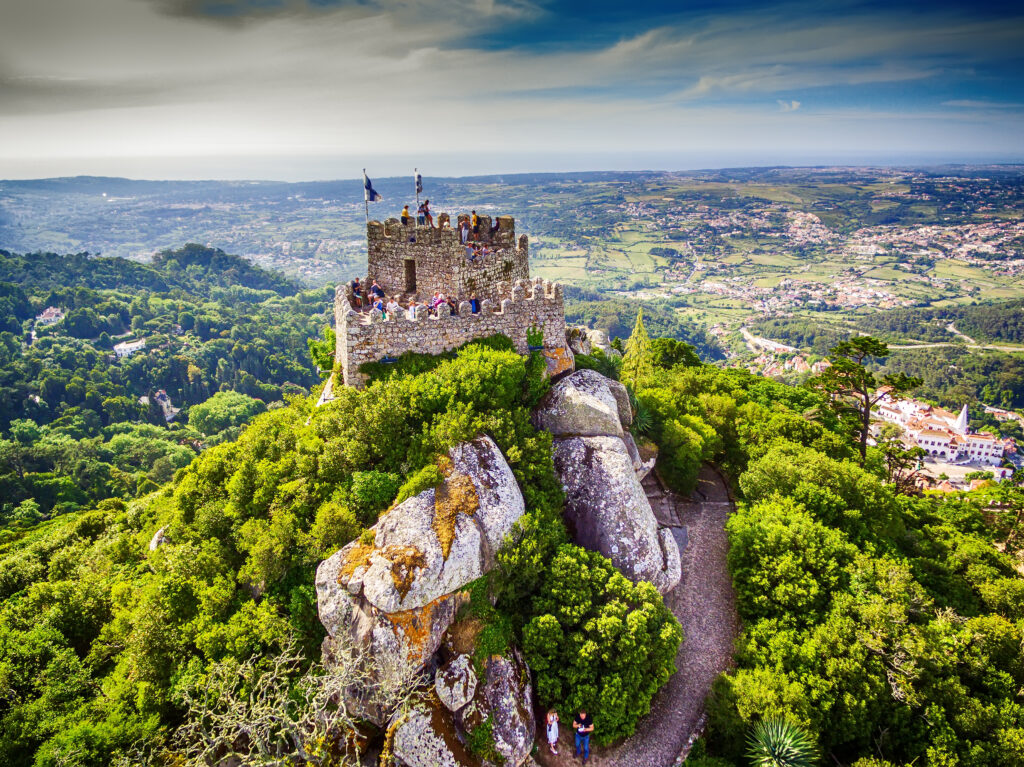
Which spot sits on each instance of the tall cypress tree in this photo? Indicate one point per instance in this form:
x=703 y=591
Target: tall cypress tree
x=637 y=363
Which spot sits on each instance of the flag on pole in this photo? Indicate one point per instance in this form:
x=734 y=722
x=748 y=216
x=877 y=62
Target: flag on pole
x=369 y=193
x=419 y=183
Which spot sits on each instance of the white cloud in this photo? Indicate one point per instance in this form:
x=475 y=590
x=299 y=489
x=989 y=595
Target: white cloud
x=788 y=106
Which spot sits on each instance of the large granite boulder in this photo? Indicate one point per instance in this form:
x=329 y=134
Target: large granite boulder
x=584 y=404
x=600 y=468
x=599 y=340
x=436 y=734
x=506 y=698
x=400 y=592
x=455 y=682
x=607 y=510
x=426 y=738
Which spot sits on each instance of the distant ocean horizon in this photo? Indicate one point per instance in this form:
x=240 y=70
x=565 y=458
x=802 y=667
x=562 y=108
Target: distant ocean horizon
x=323 y=167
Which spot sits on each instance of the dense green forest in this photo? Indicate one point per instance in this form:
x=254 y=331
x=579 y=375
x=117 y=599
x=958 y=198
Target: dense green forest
x=102 y=639
x=991 y=323
x=985 y=323
x=617 y=316
x=78 y=425
x=886 y=627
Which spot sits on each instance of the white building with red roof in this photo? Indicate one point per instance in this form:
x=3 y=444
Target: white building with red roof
x=941 y=433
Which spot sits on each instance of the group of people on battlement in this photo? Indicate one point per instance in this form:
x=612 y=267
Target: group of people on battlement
x=469 y=228
x=374 y=297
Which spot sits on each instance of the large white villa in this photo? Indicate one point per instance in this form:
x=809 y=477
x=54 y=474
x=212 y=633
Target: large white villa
x=940 y=432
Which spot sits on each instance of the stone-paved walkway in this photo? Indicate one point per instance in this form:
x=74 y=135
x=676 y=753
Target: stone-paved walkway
x=705 y=605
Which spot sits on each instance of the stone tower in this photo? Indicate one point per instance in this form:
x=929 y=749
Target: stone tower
x=413 y=262
x=418 y=260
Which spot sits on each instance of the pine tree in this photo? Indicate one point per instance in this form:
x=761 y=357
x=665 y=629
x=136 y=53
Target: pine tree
x=637 y=363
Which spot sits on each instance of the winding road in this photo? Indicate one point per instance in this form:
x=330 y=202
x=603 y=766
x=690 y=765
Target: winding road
x=705 y=605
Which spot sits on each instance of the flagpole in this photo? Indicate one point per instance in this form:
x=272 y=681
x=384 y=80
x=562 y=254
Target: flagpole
x=416 y=185
x=366 y=199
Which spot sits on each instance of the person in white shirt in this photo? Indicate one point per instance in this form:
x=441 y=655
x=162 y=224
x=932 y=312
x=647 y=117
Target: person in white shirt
x=393 y=308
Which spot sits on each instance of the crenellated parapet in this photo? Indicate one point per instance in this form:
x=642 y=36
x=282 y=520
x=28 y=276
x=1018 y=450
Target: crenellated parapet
x=413 y=260
x=515 y=309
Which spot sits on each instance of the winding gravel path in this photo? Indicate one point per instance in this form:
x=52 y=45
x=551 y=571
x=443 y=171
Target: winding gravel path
x=705 y=605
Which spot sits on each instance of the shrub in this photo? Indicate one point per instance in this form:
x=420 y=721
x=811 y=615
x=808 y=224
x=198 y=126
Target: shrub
x=784 y=564
x=598 y=642
x=224 y=409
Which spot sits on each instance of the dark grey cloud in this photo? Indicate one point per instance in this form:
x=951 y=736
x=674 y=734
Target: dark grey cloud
x=27 y=95
x=229 y=10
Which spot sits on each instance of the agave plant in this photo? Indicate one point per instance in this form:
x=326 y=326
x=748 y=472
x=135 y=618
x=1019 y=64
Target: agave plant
x=776 y=742
x=643 y=419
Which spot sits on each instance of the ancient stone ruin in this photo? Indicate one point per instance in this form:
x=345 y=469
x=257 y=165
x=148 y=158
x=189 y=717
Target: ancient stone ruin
x=414 y=261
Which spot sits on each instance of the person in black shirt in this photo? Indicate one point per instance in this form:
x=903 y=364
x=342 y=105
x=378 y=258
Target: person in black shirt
x=583 y=725
x=357 y=293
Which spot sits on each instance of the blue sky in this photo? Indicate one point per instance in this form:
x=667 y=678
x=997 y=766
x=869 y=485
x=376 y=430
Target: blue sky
x=319 y=88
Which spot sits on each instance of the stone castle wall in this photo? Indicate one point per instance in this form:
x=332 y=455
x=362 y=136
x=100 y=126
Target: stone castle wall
x=438 y=258
x=367 y=337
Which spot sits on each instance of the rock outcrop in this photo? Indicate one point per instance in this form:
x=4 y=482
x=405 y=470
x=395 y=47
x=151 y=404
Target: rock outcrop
x=435 y=733
x=600 y=468
x=607 y=510
x=426 y=739
x=584 y=404
x=506 y=700
x=400 y=593
x=455 y=683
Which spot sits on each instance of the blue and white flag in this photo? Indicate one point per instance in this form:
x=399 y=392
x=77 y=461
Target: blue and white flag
x=369 y=193
x=419 y=183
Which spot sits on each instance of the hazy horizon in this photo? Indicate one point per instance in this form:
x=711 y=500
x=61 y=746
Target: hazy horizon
x=312 y=169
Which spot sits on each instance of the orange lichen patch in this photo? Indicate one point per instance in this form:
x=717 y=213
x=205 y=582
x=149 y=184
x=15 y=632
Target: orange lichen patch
x=358 y=556
x=559 y=360
x=462 y=635
x=405 y=560
x=456 y=495
x=415 y=626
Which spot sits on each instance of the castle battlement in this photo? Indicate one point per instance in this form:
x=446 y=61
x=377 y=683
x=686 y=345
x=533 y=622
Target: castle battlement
x=414 y=262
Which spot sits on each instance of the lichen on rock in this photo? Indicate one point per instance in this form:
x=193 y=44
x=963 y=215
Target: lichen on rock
x=401 y=593
x=456 y=495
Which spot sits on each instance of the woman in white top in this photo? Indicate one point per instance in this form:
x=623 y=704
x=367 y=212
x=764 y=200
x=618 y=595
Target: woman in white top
x=552 y=722
x=393 y=308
